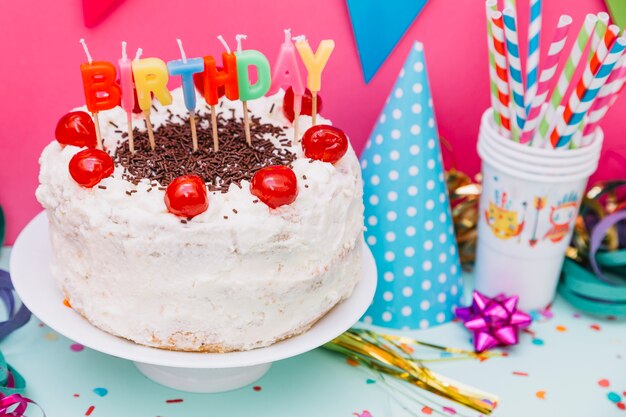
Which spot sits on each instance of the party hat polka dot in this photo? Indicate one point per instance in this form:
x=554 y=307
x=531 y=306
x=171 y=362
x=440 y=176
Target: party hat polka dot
x=407 y=213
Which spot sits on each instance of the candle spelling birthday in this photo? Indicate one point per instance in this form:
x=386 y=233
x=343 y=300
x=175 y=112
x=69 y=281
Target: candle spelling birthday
x=148 y=78
x=214 y=79
x=287 y=74
x=101 y=89
x=186 y=68
x=314 y=63
x=151 y=77
x=247 y=90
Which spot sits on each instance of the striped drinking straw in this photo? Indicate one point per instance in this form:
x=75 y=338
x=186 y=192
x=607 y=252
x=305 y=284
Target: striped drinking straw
x=502 y=79
x=564 y=80
x=600 y=52
x=518 y=115
x=492 y=6
x=598 y=34
x=510 y=4
x=604 y=100
x=547 y=73
x=532 y=63
x=581 y=101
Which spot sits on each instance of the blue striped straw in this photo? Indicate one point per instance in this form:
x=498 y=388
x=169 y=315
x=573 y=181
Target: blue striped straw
x=515 y=73
x=590 y=95
x=532 y=64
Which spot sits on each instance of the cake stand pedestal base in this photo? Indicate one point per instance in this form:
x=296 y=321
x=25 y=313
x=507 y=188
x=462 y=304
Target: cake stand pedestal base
x=203 y=380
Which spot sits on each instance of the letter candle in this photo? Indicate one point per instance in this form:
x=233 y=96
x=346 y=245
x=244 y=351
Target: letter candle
x=213 y=79
x=128 y=99
x=314 y=63
x=151 y=77
x=101 y=89
x=186 y=68
x=287 y=74
x=247 y=91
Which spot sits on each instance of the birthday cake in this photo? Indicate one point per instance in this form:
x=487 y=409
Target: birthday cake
x=237 y=276
x=227 y=242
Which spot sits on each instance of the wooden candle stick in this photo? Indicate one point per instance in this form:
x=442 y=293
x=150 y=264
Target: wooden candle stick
x=194 y=135
x=146 y=116
x=131 y=138
x=128 y=99
x=216 y=143
x=246 y=117
x=314 y=107
x=96 y=121
x=246 y=123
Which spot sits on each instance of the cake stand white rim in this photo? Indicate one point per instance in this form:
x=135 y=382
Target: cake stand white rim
x=33 y=282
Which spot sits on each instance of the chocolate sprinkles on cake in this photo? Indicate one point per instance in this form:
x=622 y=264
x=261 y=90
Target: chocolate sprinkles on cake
x=235 y=161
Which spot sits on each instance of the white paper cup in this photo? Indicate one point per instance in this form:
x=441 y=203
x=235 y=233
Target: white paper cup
x=540 y=167
x=521 y=244
x=503 y=149
x=487 y=126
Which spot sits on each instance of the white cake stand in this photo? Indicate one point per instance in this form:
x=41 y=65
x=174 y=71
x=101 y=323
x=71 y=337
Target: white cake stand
x=186 y=371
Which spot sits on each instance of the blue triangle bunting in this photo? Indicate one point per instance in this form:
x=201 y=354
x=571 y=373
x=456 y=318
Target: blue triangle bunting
x=378 y=27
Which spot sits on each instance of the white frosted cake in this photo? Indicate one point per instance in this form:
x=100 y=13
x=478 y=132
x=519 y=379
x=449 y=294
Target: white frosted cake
x=238 y=276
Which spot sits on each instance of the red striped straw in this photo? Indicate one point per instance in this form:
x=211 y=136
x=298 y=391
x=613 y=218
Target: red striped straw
x=585 y=81
x=605 y=100
x=548 y=71
x=501 y=69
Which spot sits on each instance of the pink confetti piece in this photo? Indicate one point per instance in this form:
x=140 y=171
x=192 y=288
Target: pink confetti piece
x=76 y=347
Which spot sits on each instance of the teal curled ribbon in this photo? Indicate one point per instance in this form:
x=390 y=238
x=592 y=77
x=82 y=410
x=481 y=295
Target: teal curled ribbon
x=601 y=290
x=12 y=385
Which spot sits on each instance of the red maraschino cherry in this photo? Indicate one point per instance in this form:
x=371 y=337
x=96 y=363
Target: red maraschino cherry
x=198 y=81
x=186 y=196
x=89 y=166
x=275 y=186
x=76 y=128
x=307 y=104
x=324 y=143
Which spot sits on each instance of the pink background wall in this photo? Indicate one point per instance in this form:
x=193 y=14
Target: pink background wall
x=40 y=79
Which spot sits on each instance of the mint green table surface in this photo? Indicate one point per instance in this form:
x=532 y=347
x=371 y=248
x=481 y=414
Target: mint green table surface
x=562 y=370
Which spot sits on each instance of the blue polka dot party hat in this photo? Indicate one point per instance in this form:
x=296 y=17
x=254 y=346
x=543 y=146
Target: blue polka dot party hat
x=407 y=213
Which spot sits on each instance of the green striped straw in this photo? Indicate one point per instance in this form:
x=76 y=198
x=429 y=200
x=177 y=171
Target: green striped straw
x=565 y=78
x=492 y=5
x=601 y=27
x=598 y=34
x=510 y=4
